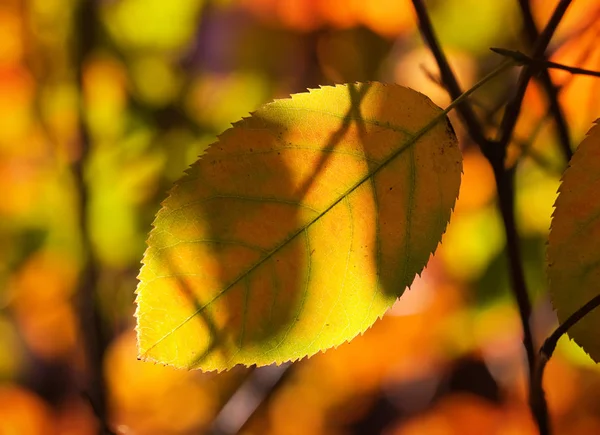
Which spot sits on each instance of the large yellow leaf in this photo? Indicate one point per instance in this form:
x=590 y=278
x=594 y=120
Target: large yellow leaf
x=573 y=247
x=298 y=228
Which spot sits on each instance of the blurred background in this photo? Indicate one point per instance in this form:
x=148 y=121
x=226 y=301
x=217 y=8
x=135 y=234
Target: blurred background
x=103 y=105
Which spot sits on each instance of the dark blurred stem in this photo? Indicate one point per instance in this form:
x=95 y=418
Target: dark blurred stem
x=505 y=179
x=549 y=345
x=537 y=399
x=513 y=108
x=448 y=79
x=547 y=349
x=532 y=34
x=92 y=334
x=269 y=396
x=495 y=152
x=523 y=59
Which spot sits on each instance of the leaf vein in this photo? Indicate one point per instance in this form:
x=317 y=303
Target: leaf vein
x=370 y=174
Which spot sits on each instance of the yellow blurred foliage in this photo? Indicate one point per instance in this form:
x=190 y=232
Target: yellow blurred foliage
x=167 y=25
x=105 y=95
x=11 y=352
x=243 y=91
x=11 y=39
x=16 y=94
x=59 y=105
x=472 y=240
x=155 y=79
x=475 y=234
x=535 y=199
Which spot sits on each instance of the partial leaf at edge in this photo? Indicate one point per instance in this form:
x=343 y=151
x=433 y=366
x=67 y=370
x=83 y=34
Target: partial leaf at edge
x=573 y=246
x=298 y=228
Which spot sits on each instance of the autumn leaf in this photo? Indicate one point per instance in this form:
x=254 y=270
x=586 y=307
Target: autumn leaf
x=573 y=255
x=298 y=228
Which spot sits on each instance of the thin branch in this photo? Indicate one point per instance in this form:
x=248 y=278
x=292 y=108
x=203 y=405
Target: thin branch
x=551 y=90
x=527 y=150
x=495 y=152
x=523 y=59
x=448 y=79
x=488 y=112
x=549 y=345
x=513 y=108
x=538 y=398
x=505 y=180
x=505 y=185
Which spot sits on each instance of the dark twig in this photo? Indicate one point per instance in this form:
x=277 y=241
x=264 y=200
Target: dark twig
x=549 y=345
x=505 y=179
x=505 y=184
x=538 y=399
x=495 y=152
x=540 y=64
x=93 y=337
x=448 y=79
x=513 y=108
x=551 y=90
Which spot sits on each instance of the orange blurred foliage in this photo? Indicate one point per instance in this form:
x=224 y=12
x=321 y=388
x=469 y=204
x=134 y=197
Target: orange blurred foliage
x=469 y=415
x=433 y=322
x=16 y=117
x=579 y=94
x=41 y=302
x=23 y=413
x=387 y=17
x=150 y=399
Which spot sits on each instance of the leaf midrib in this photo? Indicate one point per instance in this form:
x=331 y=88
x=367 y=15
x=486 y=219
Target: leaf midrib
x=414 y=138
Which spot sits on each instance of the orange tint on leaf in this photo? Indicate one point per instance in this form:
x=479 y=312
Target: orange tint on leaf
x=298 y=229
x=573 y=255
